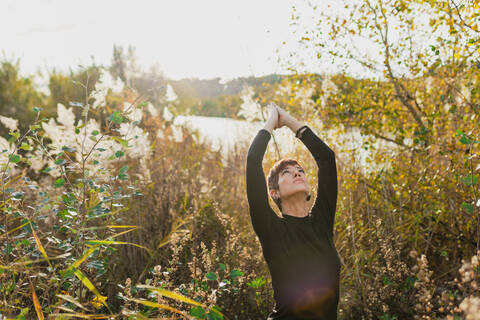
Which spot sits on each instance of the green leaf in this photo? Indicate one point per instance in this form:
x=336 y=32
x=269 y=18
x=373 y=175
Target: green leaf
x=123 y=169
x=59 y=162
x=37 y=109
x=236 y=273
x=59 y=182
x=467 y=207
x=22 y=314
x=76 y=104
x=464 y=139
x=116 y=117
x=222 y=266
x=123 y=142
x=65 y=148
x=17 y=195
x=257 y=283
x=95 y=132
x=211 y=276
x=198 y=312
x=469 y=180
x=15 y=158
x=14 y=136
x=215 y=314
x=119 y=153
x=25 y=146
x=386 y=280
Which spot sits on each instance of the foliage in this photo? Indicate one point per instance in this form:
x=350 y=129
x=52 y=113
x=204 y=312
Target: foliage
x=18 y=95
x=77 y=199
x=112 y=210
x=418 y=96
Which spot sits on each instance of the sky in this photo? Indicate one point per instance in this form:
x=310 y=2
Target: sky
x=184 y=38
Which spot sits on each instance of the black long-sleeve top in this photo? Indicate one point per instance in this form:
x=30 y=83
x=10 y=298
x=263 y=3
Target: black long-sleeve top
x=299 y=251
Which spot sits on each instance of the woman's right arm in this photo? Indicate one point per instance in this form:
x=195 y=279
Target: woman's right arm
x=257 y=194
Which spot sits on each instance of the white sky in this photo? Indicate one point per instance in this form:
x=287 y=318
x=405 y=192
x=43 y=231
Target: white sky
x=197 y=38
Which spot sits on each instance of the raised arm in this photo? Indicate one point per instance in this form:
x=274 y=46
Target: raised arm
x=327 y=176
x=257 y=195
x=327 y=185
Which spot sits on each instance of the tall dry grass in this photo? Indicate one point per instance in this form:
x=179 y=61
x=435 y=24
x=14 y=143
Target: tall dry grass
x=155 y=224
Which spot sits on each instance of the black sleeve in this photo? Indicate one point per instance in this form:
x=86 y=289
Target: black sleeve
x=261 y=213
x=326 y=200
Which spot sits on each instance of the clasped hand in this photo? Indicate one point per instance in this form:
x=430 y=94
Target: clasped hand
x=278 y=116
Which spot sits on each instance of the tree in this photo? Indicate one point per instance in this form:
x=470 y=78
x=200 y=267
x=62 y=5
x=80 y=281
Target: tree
x=408 y=74
x=18 y=96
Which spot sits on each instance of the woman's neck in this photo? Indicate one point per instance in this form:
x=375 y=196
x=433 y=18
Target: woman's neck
x=296 y=205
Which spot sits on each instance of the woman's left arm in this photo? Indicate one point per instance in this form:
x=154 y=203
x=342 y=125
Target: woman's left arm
x=327 y=175
x=327 y=170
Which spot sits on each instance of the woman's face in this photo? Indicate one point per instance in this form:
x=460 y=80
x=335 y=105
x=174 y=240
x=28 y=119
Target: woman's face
x=292 y=180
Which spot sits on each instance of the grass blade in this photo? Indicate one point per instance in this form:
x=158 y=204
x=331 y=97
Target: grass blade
x=80 y=315
x=115 y=226
x=117 y=242
x=157 y=305
x=13 y=230
x=39 y=244
x=87 y=283
x=177 y=296
x=72 y=300
x=36 y=303
x=77 y=263
x=109 y=227
x=176 y=225
x=65 y=309
x=171 y=294
x=24 y=262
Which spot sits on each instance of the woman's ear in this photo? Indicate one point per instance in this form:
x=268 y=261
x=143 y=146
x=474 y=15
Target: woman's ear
x=273 y=194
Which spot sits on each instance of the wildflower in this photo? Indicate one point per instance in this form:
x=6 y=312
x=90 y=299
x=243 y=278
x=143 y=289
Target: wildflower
x=170 y=95
x=10 y=123
x=105 y=83
x=65 y=116
x=249 y=109
x=135 y=114
x=471 y=307
x=177 y=133
x=153 y=111
x=38 y=161
x=167 y=115
x=157 y=269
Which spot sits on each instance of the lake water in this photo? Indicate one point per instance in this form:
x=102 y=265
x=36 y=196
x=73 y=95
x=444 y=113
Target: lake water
x=224 y=133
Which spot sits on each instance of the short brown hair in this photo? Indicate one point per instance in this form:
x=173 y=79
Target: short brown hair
x=273 y=176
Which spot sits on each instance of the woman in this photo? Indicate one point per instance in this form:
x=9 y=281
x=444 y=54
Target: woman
x=298 y=245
